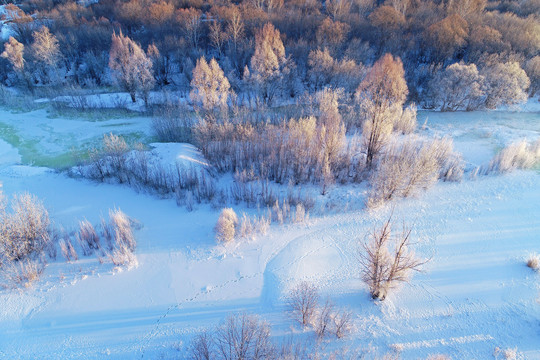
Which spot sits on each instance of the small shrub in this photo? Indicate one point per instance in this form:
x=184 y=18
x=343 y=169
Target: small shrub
x=323 y=321
x=406 y=123
x=519 y=155
x=534 y=262
x=507 y=354
x=249 y=227
x=303 y=300
x=123 y=256
x=300 y=214
x=119 y=233
x=24 y=231
x=226 y=225
x=67 y=249
x=22 y=273
x=342 y=322
x=87 y=237
x=121 y=230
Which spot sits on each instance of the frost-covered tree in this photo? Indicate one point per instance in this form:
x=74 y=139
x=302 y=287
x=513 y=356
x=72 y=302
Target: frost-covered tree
x=446 y=37
x=459 y=86
x=45 y=47
x=46 y=51
x=332 y=129
x=380 y=95
x=209 y=86
x=130 y=65
x=506 y=84
x=533 y=71
x=268 y=61
x=14 y=53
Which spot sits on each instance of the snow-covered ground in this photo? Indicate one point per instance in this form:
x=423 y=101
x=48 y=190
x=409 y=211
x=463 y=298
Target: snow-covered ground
x=476 y=293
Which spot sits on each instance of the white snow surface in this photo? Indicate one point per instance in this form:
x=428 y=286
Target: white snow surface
x=474 y=295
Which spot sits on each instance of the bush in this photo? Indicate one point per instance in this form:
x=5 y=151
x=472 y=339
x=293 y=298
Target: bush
x=323 y=321
x=303 y=300
x=226 y=225
x=249 y=227
x=518 y=155
x=384 y=267
x=534 y=262
x=24 y=232
x=342 y=322
x=407 y=167
x=406 y=123
x=87 y=237
x=22 y=273
x=67 y=249
x=119 y=233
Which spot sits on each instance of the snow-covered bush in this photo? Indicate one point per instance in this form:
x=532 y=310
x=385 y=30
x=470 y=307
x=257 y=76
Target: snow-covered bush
x=22 y=273
x=409 y=166
x=87 y=237
x=24 y=231
x=342 y=321
x=67 y=249
x=118 y=232
x=323 y=319
x=386 y=261
x=249 y=227
x=507 y=354
x=518 y=155
x=302 y=302
x=533 y=261
x=406 y=123
x=225 y=228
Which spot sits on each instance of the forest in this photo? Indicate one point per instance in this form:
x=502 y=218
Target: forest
x=456 y=54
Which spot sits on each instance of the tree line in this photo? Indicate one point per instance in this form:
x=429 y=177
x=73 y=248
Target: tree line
x=457 y=54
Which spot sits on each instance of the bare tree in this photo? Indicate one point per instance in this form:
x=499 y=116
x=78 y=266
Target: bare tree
x=382 y=91
x=217 y=35
x=235 y=28
x=385 y=266
x=201 y=347
x=244 y=337
x=130 y=65
x=303 y=300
